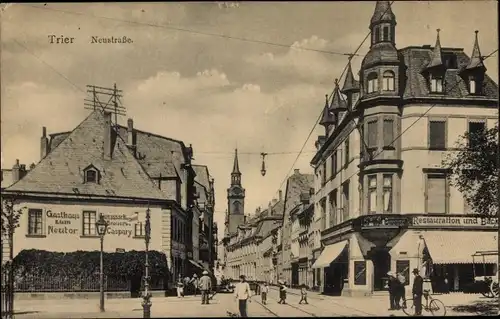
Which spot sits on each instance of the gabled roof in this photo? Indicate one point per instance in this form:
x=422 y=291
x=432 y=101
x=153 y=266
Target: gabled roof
x=436 y=57
x=416 y=58
x=61 y=171
x=476 y=60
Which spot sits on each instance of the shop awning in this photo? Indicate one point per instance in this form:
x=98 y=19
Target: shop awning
x=409 y=244
x=329 y=254
x=457 y=247
x=196 y=264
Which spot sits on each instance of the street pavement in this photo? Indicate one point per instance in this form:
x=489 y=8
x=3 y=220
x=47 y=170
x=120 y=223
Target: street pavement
x=190 y=306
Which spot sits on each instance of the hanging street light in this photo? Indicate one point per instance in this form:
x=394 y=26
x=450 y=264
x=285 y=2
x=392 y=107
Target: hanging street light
x=146 y=298
x=101 y=225
x=263 y=169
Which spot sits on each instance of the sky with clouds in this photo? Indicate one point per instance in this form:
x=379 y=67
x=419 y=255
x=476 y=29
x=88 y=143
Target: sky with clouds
x=213 y=92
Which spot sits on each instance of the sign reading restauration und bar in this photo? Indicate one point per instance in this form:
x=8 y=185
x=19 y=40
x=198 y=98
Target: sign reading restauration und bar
x=454 y=221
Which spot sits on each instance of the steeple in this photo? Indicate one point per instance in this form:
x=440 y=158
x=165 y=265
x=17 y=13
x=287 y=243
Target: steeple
x=338 y=104
x=328 y=118
x=436 y=58
x=236 y=174
x=382 y=24
x=476 y=60
x=350 y=84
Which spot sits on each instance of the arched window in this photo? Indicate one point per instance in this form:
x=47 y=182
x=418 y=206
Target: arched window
x=385 y=33
x=372 y=82
x=377 y=34
x=388 y=81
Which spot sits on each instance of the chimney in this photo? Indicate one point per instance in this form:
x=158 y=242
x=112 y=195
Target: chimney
x=280 y=195
x=107 y=136
x=44 y=143
x=269 y=207
x=296 y=171
x=22 y=171
x=15 y=172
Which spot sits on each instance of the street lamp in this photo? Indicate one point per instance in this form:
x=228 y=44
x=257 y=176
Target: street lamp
x=146 y=302
x=101 y=225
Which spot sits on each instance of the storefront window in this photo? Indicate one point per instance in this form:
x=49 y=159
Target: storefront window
x=403 y=268
x=387 y=193
x=372 y=194
x=360 y=272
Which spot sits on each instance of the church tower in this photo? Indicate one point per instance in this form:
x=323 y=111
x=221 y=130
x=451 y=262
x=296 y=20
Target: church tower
x=235 y=198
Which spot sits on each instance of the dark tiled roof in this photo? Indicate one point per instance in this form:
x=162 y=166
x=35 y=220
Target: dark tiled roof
x=476 y=60
x=350 y=84
x=436 y=56
x=202 y=176
x=383 y=52
x=57 y=138
x=327 y=117
x=296 y=185
x=61 y=171
x=416 y=59
x=338 y=103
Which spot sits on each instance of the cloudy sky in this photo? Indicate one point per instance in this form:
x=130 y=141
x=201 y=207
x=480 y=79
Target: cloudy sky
x=183 y=81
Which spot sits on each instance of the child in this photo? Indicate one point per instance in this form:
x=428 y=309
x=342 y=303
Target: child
x=263 y=293
x=282 y=293
x=303 y=294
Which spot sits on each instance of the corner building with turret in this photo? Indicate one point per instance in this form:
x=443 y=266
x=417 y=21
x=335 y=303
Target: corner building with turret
x=383 y=201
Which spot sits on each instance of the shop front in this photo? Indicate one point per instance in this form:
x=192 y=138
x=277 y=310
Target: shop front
x=362 y=251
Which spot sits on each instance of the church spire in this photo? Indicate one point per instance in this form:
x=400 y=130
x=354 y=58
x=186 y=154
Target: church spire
x=436 y=58
x=476 y=60
x=236 y=174
x=383 y=13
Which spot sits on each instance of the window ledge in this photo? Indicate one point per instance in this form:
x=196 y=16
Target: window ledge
x=35 y=236
x=89 y=236
x=437 y=148
x=140 y=237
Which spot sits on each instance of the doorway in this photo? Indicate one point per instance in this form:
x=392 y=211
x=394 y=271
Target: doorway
x=295 y=274
x=381 y=266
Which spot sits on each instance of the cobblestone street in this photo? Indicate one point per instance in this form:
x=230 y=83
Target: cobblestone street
x=190 y=306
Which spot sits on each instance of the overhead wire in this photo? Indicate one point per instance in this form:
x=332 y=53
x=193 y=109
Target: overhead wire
x=170 y=27
x=414 y=122
x=328 y=100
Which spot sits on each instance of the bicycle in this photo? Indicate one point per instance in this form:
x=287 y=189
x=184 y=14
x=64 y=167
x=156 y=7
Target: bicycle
x=435 y=306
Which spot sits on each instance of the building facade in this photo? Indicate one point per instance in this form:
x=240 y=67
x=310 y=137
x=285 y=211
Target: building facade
x=382 y=197
x=119 y=172
x=298 y=189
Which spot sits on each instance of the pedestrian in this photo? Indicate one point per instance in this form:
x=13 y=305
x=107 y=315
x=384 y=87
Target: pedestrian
x=180 y=288
x=195 y=283
x=205 y=287
x=263 y=293
x=391 y=285
x=242 y=294
x=417 y=292
x=282 y=293
x=187 y=285
x=303 y=294
x=400 y=290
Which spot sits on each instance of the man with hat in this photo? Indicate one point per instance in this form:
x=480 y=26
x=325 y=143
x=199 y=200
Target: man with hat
x=205 y=287
x=417 y=291
x=242 y=293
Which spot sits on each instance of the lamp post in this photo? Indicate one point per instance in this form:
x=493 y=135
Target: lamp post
x=101 y=225
x=146 y=302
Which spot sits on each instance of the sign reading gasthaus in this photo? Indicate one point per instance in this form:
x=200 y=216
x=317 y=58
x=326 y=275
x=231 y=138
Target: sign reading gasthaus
x=455 y=221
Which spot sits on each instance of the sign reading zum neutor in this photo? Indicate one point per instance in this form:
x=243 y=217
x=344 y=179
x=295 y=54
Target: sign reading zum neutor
x=427 y=221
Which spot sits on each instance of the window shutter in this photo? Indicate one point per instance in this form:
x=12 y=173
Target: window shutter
x=388 y=132
x=436 y=195
x=372 y=134
x=437 y=134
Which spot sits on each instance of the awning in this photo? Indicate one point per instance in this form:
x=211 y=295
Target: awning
x=409 y=244
x=457 y=247
x=329 y=254
x=196 y=264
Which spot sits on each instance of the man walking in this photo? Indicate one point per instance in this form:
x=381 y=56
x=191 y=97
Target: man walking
x=242 y=293
x=195 y=284
x=417 y=291
x=205 y=287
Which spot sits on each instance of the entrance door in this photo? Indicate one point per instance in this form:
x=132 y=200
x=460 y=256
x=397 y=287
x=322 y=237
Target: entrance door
x=381 y=265
x=295 y=274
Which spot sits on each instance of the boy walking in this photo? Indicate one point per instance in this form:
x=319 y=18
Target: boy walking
x=263 y=293
x=303 y=294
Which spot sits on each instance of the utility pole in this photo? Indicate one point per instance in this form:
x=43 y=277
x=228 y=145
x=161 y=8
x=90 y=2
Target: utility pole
x=113 y=104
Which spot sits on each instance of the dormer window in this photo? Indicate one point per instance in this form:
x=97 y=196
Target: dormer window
x=472 y=85
x=388 y=83
x=91 y=174
x=372 y=82
x=475 y=84
x=385 y=33
x=436 y=84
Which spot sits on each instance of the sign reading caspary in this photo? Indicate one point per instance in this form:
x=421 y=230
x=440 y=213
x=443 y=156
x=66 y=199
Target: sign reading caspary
x=69 y=223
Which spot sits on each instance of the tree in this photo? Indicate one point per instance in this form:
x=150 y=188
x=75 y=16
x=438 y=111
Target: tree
x=474 y=170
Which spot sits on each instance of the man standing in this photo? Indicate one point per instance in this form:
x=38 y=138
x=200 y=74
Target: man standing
x=195 y=284
x=205 y=287
x=242 y=293
x=391 y=285
x=417 y=291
